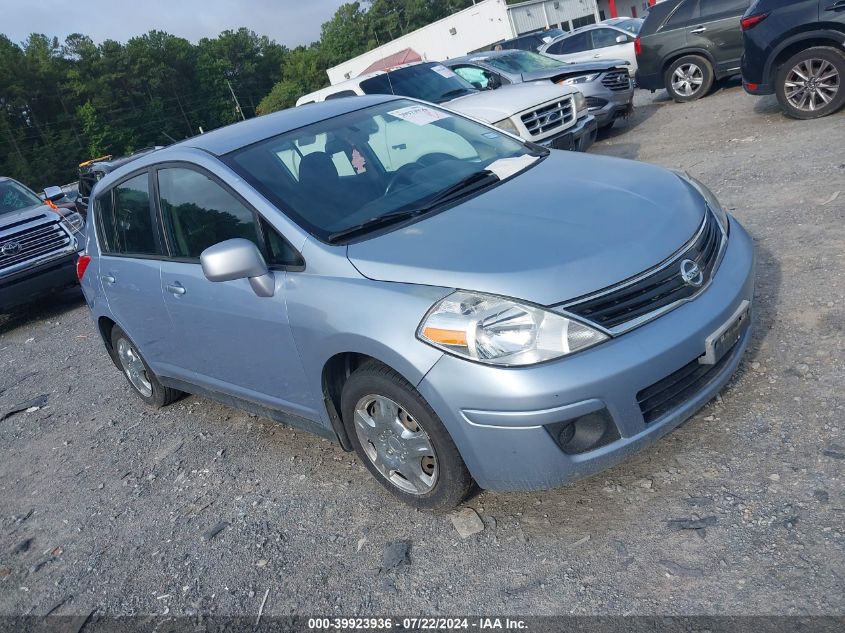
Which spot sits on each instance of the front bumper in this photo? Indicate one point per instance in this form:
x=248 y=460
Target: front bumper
x=37 y=281
x=578 y=138
x=610 y=104
x=498 y=417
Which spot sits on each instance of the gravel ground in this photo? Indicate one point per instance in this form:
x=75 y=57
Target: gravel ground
x=108 y=506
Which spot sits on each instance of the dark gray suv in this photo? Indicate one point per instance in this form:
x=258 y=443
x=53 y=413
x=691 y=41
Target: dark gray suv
x=685 y=45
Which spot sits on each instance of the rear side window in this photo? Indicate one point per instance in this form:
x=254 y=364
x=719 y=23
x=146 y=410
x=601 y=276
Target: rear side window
x=199 y=213
x=125 y=218
x=684 y=14
x=572 y=44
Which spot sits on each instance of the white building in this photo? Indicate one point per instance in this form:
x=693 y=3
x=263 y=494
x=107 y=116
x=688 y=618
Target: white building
x=478 y=26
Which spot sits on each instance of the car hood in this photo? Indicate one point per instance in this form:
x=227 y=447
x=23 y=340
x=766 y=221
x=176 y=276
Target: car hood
x=579 y=68
x=566 y=227
x=495 y=105
x=12 y=217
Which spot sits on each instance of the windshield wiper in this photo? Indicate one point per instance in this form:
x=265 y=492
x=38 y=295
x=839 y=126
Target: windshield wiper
x=452 y=94
x=460 y=187
x=374 y=223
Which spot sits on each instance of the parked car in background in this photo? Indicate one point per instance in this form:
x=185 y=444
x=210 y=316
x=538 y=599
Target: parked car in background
x=605 y=84
x=796 y=50
x=548 y=114
x=91 y=171
x=632 y=25
x=491 y=311
x=528 y=42
x=38 y=244
x=685 y=45
x=597 y=41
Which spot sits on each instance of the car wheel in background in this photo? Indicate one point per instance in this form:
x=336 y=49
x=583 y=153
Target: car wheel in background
x=809 y=84
x=401 y=440
x=141 y=378
x=688 y=78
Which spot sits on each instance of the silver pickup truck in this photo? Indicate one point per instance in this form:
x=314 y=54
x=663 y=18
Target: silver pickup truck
x=38 y=244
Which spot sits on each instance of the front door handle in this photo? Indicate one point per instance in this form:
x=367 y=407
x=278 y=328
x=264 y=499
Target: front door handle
x=700 y=29
x=109 y=279
x=176 y=288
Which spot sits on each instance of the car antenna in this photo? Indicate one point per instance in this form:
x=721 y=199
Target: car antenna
x=386 y=72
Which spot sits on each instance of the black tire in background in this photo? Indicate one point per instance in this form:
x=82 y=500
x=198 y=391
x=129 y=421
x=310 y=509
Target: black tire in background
x=697 y=68
x=822 y=58
x=453 y=481
x=159 y=395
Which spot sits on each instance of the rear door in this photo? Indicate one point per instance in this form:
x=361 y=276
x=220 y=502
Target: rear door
x=130 y=265
x=714 y=27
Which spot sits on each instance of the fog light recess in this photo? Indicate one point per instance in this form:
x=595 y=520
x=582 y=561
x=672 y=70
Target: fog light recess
x=586 y=433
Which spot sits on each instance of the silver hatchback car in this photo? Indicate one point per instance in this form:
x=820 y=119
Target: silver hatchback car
x=450 y=302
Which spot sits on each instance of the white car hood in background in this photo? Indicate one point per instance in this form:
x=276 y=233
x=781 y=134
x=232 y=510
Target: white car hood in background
x=495 y=105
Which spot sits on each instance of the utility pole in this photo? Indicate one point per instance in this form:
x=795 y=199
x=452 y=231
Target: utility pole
x=235 y=99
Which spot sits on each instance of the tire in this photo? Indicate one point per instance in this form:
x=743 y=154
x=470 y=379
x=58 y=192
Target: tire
x=410 y=437
x=699 y=78
x=138 y=374
x=822 y=60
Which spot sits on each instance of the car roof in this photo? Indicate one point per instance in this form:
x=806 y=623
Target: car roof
x=231 y=137
x=482 y=55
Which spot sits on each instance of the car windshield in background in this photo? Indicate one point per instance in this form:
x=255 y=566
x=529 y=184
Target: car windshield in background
x=13 y=197
x=523 y=62
x=429 y=82
x=397 y=159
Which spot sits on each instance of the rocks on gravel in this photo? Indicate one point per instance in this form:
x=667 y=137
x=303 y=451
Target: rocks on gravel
x=467 y=522
x=214 y=530
x=395 y=555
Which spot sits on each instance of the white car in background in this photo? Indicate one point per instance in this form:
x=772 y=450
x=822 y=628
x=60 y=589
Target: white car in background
x=552 y=115
x=597 y=41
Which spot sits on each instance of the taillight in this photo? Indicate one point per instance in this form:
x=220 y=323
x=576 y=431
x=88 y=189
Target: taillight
x=638 y=46
x=82 y=266
x=752 y=20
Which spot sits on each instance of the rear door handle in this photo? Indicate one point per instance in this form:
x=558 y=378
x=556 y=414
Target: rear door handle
x=175 y=288
x=109 y=279
x=700 y=29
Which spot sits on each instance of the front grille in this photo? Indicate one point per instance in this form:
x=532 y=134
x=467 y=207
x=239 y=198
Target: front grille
x=31 y=243
x=678 y=387
x=656 y=289
x=616 y=80
x=549 y=117
x=595 y=103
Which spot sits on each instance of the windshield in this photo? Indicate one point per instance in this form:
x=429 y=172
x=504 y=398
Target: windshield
x=523 y=62
x=14 y=197
x=394 y=157
x=428 y=82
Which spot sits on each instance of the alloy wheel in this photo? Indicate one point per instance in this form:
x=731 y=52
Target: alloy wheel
x=812 y=84
x=396 y=445
x=687 y=79
x=134 y=367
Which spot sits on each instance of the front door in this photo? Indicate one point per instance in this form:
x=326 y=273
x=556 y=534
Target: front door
x=130 y=265
x=606 y=45
x=226 y=338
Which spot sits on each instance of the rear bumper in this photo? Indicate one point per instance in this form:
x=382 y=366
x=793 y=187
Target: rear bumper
x=649 y=81
x=578 y=138
x=38 y=281
x=503 y=420
x=757 y=89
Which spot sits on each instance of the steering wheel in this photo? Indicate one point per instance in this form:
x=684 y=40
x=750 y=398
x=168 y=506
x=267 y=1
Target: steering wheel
x=405 y=171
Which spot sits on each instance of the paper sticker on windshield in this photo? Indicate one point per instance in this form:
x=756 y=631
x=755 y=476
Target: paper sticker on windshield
x=419 y=114
x=443 y=71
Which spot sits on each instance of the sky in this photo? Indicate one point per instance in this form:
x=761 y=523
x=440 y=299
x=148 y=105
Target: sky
x=289 y=22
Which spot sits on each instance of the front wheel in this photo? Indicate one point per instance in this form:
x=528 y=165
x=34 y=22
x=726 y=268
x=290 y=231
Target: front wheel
x=401 y=441
x=688 y=78
x=809 y=84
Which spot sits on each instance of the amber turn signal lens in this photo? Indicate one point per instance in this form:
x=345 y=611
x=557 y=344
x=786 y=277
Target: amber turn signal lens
x=445 y=337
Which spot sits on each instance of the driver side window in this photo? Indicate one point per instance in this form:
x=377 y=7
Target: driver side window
x=478 y=77
x=603 y=38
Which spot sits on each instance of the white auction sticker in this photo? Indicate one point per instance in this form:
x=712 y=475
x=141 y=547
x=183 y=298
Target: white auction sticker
x=443 y=71
x=419 y=114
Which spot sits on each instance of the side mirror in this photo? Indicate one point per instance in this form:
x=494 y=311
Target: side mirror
x=621 y=39
x=53 y=193
x=238 y=259
x=493 y=82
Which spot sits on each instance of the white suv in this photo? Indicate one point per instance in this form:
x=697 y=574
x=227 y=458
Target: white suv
x=552 y=115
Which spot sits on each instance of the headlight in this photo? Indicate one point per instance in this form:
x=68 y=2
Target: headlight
x=580 y=103
x=499 y=331
x=709 y=198
x=507 y=125
x=73 y=221
x=580 y=79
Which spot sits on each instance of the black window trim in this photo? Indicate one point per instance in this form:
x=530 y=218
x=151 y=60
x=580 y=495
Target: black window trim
x=100 y=231
x=260 y=220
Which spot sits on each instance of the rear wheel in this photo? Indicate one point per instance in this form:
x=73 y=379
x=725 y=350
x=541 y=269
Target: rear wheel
x=688 y=78
x=809 y=84
x=140 y=377
x=401 y=441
